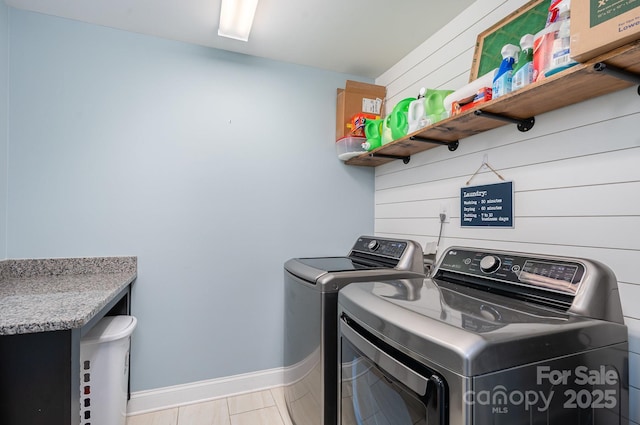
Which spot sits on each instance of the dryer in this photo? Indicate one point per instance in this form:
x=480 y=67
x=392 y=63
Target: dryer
x=311 y=318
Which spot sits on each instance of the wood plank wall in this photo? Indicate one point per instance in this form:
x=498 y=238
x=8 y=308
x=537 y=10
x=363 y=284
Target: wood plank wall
x=576 y=174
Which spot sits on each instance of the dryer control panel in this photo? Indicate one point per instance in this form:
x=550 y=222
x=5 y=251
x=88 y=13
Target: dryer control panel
x=382 y=247
x=400 y=254
x=544 y=273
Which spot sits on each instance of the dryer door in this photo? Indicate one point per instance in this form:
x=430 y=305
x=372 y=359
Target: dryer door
x=379 y=386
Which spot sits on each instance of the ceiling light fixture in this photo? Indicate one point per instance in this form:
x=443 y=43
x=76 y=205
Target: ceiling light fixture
x=236 y=18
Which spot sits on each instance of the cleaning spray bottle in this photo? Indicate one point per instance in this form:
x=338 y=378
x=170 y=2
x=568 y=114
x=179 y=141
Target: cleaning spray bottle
x=503 y=79
x=561 y=51
x=523 y=71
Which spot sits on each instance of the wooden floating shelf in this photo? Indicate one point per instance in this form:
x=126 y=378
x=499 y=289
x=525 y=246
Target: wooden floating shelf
x=574 y=85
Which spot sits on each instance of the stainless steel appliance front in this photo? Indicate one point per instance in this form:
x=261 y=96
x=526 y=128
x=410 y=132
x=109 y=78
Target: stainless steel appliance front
x=518 y=339
x=381 y=385
x=311 y=319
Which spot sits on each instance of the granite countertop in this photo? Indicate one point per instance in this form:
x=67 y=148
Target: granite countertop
x=42 y=295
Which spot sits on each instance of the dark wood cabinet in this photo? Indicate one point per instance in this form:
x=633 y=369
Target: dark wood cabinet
x=40 y=372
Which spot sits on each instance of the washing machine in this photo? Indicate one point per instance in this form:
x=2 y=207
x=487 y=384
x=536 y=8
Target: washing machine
x=311 y=318
x=492 y=338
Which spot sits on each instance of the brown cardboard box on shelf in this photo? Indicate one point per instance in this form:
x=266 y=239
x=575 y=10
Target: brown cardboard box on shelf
x=599 y=26
x=356 y=98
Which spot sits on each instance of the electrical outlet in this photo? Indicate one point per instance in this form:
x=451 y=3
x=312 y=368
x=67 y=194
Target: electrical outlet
x=444 y=209
x=430 y=248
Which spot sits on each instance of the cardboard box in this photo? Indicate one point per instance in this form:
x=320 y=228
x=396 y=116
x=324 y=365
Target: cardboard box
x=599 y=26
x=356 y=98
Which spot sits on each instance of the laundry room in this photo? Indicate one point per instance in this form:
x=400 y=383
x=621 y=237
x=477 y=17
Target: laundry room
x=154 y=166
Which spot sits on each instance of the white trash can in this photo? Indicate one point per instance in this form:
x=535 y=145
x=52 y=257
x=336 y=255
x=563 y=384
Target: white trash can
x=104 y=371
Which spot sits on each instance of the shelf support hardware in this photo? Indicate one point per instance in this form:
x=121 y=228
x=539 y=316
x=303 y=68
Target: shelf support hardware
x=405 y=159
x=524 y=124
x=619 y=73
x=451 y=145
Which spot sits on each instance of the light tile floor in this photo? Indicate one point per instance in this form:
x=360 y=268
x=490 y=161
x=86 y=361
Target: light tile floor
x=259 y=408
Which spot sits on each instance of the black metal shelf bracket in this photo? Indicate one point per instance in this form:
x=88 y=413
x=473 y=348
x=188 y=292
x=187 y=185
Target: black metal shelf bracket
x=619 y=73
x=451 y=145
x=524 y=124
x=405 y=159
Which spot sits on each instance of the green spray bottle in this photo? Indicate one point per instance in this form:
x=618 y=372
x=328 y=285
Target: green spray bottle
x=523 y=71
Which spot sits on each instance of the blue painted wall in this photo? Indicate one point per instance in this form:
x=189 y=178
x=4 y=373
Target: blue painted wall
x=4 y=94
x=212 y=167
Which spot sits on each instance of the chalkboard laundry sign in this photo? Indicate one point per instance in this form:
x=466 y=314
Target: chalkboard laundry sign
x=489 y=205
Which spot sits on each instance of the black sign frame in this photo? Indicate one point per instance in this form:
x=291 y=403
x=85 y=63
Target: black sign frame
x=489 y=205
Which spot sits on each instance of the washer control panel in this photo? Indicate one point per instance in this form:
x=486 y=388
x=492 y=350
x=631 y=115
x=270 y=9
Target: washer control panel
x=546 y=273
x=381 y=247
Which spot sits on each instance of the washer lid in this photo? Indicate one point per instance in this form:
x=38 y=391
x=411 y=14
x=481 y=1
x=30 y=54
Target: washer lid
x=342 y=272
x=467 y=331
x=312 y=269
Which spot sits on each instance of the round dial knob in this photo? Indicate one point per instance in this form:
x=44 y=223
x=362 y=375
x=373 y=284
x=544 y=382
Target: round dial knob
x=373 y=245
x=489 y=264
x=490 y=313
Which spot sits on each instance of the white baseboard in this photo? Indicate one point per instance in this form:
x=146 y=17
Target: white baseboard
x=195 y=392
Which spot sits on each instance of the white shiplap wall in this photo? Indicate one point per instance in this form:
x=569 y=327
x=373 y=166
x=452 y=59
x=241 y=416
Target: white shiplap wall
x=576 y=174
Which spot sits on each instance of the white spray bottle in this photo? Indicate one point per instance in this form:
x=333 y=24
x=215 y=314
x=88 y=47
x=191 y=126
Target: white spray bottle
x=561 y=51
x=523 y=71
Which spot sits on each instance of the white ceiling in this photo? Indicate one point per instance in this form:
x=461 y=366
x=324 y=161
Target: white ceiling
x=361 y=37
